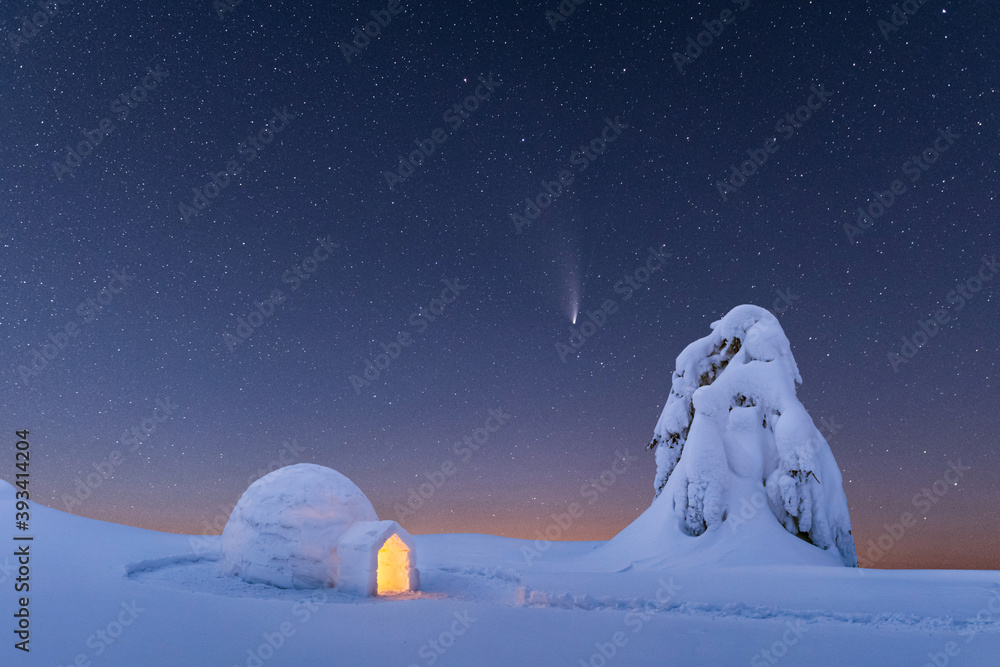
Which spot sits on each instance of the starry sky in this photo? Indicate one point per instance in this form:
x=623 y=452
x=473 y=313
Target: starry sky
x=208 y=235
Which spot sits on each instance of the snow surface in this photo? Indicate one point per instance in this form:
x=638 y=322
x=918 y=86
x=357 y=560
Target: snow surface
x=286 y=527
x=735 y=446
x=484 y=602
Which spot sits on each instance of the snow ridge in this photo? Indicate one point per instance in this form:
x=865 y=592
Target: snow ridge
x=896 y=621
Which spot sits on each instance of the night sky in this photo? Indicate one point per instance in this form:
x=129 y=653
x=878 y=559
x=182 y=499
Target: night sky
x=343 y=259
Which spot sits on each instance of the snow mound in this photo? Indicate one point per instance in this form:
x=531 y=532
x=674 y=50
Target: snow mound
x=285 y=529
x=735 y=446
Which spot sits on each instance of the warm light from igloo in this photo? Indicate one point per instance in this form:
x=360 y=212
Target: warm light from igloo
x=393 y=567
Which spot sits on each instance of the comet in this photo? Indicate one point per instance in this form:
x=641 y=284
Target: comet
x=574 y=288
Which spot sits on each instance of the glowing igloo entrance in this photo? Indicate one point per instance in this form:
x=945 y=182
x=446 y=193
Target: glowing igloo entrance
x=378 y=558
x=394 y=567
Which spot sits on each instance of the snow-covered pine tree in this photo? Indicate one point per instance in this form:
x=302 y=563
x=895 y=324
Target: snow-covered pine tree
x=733 y=412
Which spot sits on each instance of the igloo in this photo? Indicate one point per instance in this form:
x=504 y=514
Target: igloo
x=308 y=526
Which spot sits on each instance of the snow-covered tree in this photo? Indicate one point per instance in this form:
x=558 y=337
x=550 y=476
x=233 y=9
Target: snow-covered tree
x=733 y=419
